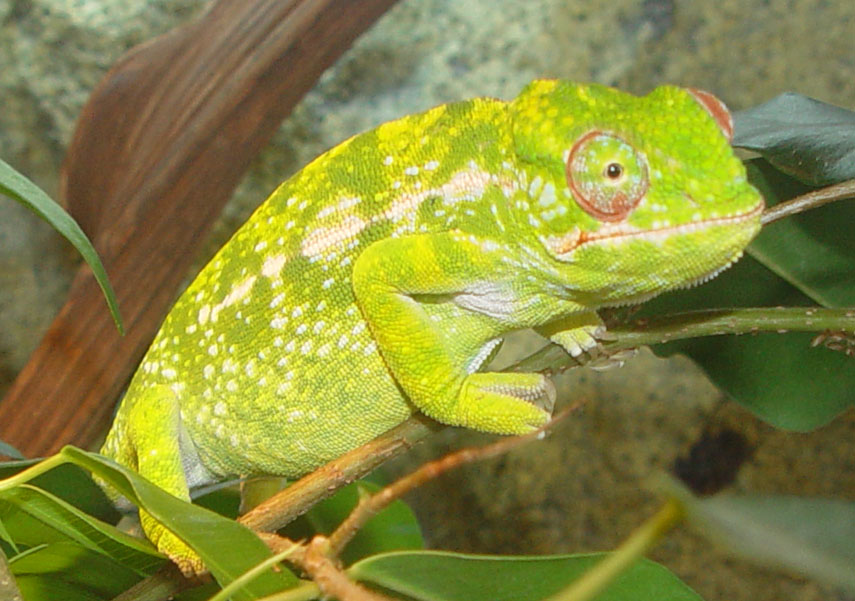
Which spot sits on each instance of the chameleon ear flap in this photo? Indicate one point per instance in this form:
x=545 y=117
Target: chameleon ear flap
x=717 y=109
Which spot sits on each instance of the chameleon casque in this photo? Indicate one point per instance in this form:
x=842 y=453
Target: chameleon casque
x=378 y=280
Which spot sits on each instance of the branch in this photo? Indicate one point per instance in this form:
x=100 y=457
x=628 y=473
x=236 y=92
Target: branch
x=298 y=498
x=808 y=201
x=370 y=506
x=696 y=324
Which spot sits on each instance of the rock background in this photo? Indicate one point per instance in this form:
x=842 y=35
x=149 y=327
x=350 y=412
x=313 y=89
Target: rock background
x=583 y=488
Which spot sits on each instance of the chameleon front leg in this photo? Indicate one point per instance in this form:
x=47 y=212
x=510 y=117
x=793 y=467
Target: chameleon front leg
x=576 y=333
x=392 y=277
x=154 y=424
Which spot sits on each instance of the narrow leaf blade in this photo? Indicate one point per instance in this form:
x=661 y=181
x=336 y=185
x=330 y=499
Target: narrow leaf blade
x=227 y=548
x=18 y=187
x=812 y=536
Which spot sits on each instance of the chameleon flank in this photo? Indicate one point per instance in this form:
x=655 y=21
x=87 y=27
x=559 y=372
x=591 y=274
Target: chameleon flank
x=379 y=280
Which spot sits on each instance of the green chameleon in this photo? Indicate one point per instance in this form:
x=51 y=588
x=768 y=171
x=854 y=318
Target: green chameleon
x=380 y=279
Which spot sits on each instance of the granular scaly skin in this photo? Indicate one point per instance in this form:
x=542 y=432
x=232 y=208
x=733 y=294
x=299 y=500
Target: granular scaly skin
x=377 y=281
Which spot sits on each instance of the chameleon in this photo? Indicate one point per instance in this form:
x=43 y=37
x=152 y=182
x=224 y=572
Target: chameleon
x=380 y=279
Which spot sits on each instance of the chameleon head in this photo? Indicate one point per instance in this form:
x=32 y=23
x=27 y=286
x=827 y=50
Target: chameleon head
x=632 y=195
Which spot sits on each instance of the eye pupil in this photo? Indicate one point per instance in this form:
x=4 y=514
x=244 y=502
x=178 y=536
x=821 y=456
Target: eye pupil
x=614 y=170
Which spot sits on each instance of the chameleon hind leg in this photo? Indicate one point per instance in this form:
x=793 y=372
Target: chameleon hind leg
x=391 y=280
x=154 y=424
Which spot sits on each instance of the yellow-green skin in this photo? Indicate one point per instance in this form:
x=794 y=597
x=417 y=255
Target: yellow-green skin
x=377 y=281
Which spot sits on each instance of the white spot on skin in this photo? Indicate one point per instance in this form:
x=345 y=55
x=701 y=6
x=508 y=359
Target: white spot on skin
x=388 y=160
x=204 y=314
x=272 y=266
x=277 y=300
x=327 y=283
x=301 y=329
x=277 y=323
x=297 y=312
x=306 y=348
x=208 y=371
x=237 y=293
x=547 y=196
x=220 y=409
x=324 y=239
x=413 y=170
x=260 y=246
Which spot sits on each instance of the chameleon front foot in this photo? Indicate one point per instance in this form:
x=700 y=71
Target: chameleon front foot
x=505 y=403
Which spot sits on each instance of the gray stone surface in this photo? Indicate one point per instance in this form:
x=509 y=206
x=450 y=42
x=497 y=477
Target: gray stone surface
x=584 y=487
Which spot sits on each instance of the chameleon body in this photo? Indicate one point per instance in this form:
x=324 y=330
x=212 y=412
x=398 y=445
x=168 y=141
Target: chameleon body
x=378 y=280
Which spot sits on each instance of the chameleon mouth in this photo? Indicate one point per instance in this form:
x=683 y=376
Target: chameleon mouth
x=564 y=246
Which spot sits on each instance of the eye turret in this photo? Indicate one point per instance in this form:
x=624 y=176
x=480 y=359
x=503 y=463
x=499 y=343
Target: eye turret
x=608 y=177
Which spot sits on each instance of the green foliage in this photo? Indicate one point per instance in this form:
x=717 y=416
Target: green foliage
x=811 y=536
x=16 y=186
x=434 y=576
x=810 y=140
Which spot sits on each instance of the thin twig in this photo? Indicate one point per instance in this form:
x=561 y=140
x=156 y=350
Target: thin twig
x=298 y=498
x=695 y=324
x=631 y=550
x=371 y=505
x=808 y=201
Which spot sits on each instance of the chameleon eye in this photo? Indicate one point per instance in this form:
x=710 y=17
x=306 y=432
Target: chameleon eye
x=607 y=176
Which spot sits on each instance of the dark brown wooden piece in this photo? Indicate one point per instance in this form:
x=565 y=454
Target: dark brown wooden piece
x=158 y=150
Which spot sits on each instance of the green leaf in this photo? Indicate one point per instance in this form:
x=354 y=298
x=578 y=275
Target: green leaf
x=812 y=536
x=813 y=251
x=18 y=187
x=10 y=451
x=33 y=516
x=808 y=139
x=80 y=572
x=804 y=262
x=227 y=548
x=71 y=484
x=757 y=371
x=438 y=576
x=395 y=528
